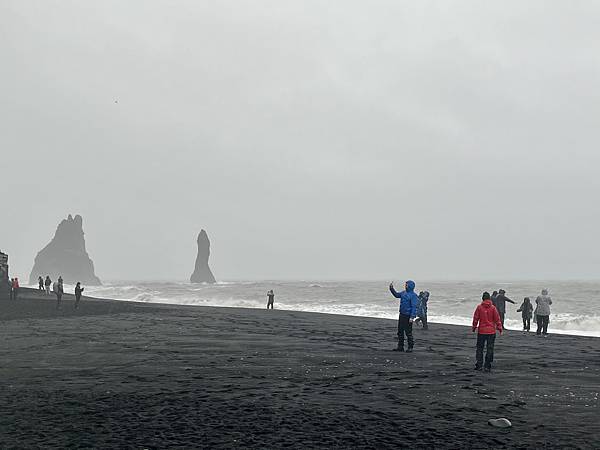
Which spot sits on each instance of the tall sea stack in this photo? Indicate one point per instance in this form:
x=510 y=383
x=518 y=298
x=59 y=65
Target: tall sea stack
x=66 y=256
x=202 y=273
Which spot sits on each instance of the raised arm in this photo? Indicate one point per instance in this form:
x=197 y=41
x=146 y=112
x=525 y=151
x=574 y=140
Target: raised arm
x=393 y=291
x=509 y=300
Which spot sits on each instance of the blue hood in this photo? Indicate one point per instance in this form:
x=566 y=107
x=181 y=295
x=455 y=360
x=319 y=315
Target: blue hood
x=410 y=286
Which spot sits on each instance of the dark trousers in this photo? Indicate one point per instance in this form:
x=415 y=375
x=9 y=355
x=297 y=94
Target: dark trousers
x=269 y=305
x=77 y=299
x=15 y=293
x=405 y=328
x=486 y=340
x=526 y=323
x=542 y=324
x=12 y=294
x=502 y=313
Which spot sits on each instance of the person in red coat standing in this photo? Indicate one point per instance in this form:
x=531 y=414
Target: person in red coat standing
x=486 y=321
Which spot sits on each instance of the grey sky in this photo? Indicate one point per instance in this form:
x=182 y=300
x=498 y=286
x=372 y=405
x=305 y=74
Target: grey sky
x=344 y=139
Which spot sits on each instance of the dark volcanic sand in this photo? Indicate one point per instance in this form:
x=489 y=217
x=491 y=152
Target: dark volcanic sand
x=126 y=375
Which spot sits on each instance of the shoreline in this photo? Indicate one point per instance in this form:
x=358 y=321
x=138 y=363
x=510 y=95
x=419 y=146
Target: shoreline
x=594 y=334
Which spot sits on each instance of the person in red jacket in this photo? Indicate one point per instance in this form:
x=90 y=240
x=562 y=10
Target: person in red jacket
x=15 y=288
x=486 y=321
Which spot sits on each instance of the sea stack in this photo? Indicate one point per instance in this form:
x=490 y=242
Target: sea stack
x=202 y=273
x=66 y=256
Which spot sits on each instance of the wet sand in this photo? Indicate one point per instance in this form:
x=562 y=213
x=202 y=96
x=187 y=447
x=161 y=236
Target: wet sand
x=132 y=375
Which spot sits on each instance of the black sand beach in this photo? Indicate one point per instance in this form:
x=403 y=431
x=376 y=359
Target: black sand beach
x=131 y=375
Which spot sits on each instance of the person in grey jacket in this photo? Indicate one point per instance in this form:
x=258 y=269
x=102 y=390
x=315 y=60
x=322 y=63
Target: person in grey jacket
x=542 y=312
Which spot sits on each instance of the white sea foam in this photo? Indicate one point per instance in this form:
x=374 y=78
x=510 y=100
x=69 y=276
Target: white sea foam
x=451 y=303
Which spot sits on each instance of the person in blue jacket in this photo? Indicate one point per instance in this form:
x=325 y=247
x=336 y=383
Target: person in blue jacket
x=408 y=312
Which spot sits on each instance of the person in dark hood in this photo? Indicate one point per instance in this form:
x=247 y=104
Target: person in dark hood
x=78 y=291
x=526 y=310
x=408 y=311
x=486 y=321
x=422 y=309
x=500 y=304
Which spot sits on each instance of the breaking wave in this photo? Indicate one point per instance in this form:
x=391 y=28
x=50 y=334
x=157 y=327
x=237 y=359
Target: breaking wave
x=365 y=299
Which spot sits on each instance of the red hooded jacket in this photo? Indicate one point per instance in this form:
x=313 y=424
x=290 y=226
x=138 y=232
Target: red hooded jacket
x=486 y=318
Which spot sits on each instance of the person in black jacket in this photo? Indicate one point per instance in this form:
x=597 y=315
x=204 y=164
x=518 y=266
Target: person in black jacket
x=526 y=310
x=500 y=304
x=78 y=291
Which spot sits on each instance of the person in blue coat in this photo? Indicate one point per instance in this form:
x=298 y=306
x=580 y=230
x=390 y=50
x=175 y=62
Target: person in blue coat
x=408 y=312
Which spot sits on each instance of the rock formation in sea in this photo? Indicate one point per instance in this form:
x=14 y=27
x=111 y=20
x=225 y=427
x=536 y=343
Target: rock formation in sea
x=202 y=273
x=66 y=256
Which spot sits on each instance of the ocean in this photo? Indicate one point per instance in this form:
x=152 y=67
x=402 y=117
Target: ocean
x=575 y=309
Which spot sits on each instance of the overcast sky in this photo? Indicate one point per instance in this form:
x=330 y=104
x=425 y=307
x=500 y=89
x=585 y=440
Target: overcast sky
x=311 y=139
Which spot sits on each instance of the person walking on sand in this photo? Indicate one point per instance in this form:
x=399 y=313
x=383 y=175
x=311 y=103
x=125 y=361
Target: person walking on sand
x=57 y=287
x=47 y=284
x=40 y=283
x=78 y=291
x=408 y=311
x=486 y=320
x=542 y=309
x=12 y=292
x=500 y=304
x=15 y=288
x=526 y=309
x=270 y=299
x=422 y=309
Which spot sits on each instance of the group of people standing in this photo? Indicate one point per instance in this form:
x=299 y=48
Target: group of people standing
x=413 y=308
x=540 y=314
x=14 y=288
x=58 y=289
x=488 y=319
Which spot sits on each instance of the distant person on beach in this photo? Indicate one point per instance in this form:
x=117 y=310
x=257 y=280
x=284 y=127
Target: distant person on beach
x=408 y=311
x=57 y=287
x=500 y=304
x=15 y=288
x=270 y=299
x=78 y=291
x=47 y=284
x=422 y=309
x=526 y=310
x=40 y=283
x=486 y=320
x=12 y=292
x=542 y=309
x=60 y=280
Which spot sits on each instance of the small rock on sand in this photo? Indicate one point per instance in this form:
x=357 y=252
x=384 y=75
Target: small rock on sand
x=500 y=423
